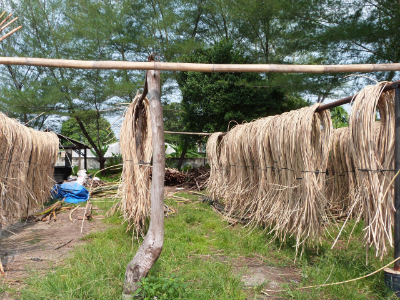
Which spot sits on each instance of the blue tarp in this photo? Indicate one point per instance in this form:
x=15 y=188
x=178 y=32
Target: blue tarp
x=71 y=191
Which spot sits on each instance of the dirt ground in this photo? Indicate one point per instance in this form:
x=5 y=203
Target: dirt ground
x=39 y=245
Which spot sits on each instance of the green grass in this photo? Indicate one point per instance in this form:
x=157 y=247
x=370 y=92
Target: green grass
x=199 y=248
x=116 y=174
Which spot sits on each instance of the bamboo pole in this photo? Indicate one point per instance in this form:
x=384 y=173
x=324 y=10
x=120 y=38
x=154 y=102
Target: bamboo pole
x=10 y=33
x=165 y=66
x=348 y=99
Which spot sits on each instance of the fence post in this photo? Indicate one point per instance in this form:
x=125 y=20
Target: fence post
x=397 y=180
x=152 y=245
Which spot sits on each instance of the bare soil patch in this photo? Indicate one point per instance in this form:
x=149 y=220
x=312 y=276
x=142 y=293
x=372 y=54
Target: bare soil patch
x=41 y=246
x=257 y=272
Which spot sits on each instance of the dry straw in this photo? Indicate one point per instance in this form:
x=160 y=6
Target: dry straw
x=27 y=160
x=362 y=161
x=372 y=149
x=136 y=149
x=342 y=180
x=273 y=171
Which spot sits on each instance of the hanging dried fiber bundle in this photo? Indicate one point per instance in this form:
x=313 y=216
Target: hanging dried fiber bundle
x=214 y=182
x=136 y=149
x=299 y=147
x=274 y=172
x=372 y=149
x=27 y=160
x=342 y=180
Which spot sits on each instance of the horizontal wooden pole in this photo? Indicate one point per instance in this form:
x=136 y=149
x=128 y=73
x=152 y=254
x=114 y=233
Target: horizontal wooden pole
x=188 y=133
x=164 y=66
x=388 y=87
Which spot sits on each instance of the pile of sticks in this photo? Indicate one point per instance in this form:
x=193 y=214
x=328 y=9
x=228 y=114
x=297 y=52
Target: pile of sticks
x=197 y=177
x=173 y=177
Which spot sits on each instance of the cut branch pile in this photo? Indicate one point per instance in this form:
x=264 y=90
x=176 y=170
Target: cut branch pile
x=136 y=149
x=173 y=177
x=105 y=191
x=27 y=159
x=91 y=184
x=49 y=212
x=197 y=177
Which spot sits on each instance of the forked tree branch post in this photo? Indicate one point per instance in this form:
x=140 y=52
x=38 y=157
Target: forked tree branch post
x=150 y=250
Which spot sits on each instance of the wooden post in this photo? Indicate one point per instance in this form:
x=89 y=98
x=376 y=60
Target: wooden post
x=397 y=180
x=150 y=250
x=79 y=164
x=85 y=159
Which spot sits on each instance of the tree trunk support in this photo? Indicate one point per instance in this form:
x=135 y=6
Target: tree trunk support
x=150 y=250
x=397 y=180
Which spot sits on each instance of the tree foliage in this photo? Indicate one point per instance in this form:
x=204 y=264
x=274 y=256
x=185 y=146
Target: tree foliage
x=340 y=117
x=211 y=100
x=97 y=129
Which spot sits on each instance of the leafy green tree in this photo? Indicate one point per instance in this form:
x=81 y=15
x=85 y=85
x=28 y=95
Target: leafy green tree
x=340 y=117
x=99 y=133
x=212 y=100
x=172 y=113
x=73 y=29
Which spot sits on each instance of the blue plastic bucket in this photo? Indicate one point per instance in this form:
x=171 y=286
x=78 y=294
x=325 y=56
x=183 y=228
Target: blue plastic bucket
x=392 y=280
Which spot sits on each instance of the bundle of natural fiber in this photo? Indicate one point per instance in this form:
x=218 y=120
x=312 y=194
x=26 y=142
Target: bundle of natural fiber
x=213 y=153
x=136 y=149
x=27 y=159
x=342 y=180
x=372 y=149
x=274 y=170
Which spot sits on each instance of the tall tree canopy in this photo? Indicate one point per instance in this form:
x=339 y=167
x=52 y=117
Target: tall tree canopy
x=211 y=100
x=268 y=31
x=98 y=132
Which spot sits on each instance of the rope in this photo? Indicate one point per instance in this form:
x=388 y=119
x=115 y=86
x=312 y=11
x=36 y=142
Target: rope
x=334 y=283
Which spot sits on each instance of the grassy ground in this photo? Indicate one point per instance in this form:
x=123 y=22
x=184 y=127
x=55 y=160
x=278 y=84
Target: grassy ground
x=190 y=264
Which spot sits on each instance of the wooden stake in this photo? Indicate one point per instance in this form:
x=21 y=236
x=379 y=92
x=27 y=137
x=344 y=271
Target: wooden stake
x=150 y=250
x=8 y=24
x=164 y=66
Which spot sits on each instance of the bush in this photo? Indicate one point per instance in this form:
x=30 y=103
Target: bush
x=114 y=161
x=187 y=168
x=161 y=288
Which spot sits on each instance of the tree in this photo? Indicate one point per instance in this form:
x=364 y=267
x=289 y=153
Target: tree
x=212 y=100
x=101 y=135
x=172 y=120
x=71 y=30
x=340 y=117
